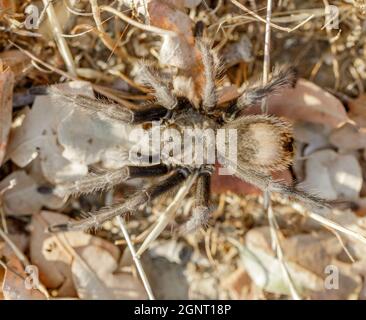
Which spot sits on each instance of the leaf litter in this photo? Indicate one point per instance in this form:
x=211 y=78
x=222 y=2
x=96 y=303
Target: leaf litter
x=45 y=141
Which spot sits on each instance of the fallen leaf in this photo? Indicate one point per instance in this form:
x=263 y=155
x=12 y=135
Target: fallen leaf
x=58 y=256
x=332 y=176
x=24 y=198
x=16 y=60
x=13 y=287
x=176 y=51
x=90 y=142
x=96 y=280
x=236 y=52
x=6 y=107
x=238 y=284
x=7 y=6
x=167 y=279
x=37 y=135
x=314 y=135
x=357 y=110
x=307 y=102
x=266 y=271
x=313 y=252
x=348 y=137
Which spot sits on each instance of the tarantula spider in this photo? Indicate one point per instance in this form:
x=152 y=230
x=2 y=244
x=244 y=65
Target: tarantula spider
x=265 y=143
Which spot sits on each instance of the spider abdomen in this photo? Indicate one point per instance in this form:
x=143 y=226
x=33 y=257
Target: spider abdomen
x=265 y=143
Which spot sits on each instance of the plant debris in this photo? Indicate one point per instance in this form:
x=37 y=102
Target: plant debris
x=95 y=48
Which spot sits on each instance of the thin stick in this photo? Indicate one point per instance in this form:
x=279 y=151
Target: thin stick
x=97 y=88
x=136 y=258
x=13 y=247
x=267 y=56
x=323 y=221
x=136 y=24
x=106 y=39
x=61 y=42
x=168 y=214
x=333 y=50
x=43 y=13
x=277 y=245
x=334 y=225
x=11 y=185
x=266 y=195
x=239 y=5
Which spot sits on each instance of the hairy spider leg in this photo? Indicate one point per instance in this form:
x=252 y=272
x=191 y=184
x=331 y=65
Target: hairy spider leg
x=201 y=212
x=108 y=179
x=254 y=93
x=98 y=217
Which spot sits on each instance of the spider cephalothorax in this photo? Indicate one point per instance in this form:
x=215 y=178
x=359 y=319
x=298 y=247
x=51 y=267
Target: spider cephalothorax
x=264 y=144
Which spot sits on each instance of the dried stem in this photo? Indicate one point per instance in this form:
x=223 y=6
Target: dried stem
x=136 y=24
x=136 y=258
x=61 y=42
x=267 y=55
x=168 y=214
x=106 y=39
x=241 y=6
x=276 y=245
x=267 y=195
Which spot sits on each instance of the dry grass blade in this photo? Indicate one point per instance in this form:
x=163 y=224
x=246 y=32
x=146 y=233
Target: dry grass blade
x=136 y=24
x=61 y=42
x=168 y=214
x=277 y=246
x=241 y=6
x=136 y=258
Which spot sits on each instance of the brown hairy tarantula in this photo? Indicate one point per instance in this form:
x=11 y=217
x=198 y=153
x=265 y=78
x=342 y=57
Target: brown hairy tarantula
x=264 y=144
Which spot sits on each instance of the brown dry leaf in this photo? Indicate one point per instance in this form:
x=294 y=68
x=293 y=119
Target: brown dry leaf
x=16 y=60
x=349 y=284
x=6 y=107
x=227 y=93
x=239 y=284
x=7 y=6
x=236 y=52
x=13 y=287
x=176 y=51
x=312 y=253
x=50 y=252
x=307 y=102
x=23 y=198
x=357 y=110
x=63 y=266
